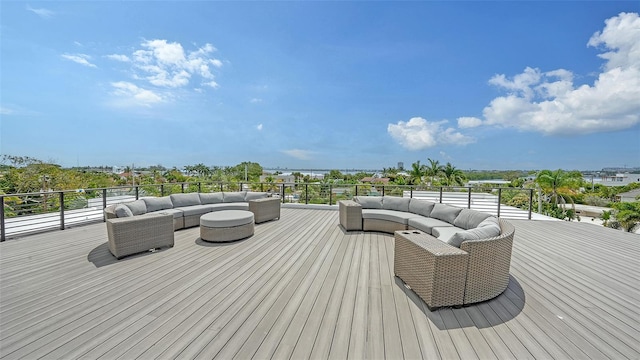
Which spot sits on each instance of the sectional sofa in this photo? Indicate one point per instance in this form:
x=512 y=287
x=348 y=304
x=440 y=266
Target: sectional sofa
x=484 y=242
x=149 y=222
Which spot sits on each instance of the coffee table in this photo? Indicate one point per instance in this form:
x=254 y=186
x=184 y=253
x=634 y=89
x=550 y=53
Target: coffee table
x=226 y=225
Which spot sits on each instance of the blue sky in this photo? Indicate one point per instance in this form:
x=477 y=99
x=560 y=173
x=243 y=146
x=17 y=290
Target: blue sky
x=339 y=85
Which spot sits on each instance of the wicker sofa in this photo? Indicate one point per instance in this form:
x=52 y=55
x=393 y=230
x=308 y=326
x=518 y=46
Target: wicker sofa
x=149 y=222
x=479 y=245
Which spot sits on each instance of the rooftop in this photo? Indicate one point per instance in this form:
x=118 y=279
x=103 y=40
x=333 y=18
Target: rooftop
x=301 y=287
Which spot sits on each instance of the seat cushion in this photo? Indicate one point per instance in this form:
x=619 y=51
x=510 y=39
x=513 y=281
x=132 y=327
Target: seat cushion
x=444 y=233
x=426 y=224
x=369 y=202
x=445 y=212
x=229 y=206
x=175 y=212
x=195 y=210
x=421 y=207
x=395 y=203
x=469 y=219
x=157 y=203
x=182 y=200
x=211 y=198
x=389 y=215
x=137 y=207
x=233 y=196
x=224 y=219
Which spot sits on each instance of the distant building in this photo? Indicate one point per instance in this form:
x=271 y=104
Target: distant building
x=400 y=165
x=375 y=180
x=287 y=179
x=619 y=179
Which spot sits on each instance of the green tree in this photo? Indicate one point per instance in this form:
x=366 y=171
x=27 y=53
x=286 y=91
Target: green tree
x=559 y=186
x=452 y=176
x=628 y=215
x=433 y=170
x=416 y=173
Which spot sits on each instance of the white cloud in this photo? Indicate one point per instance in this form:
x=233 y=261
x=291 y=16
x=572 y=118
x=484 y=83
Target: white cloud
x=81 y=59
x=469 y=122
x=550 y=102
x=5 y=111
x=167 y=64
x=133 y=95
x=255 y=101
x=299 y=154
x=43 y=13
x=259 y=127
x=118 y=57
x=418 y=134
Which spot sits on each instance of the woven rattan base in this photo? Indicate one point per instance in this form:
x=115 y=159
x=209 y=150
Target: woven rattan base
x=225 y=234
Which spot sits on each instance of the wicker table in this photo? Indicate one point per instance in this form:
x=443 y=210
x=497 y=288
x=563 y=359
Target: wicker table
x=226 y=225
x=433 y=269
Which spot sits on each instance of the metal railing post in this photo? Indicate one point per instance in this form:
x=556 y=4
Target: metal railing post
x=283 y=188
x=469 y=200
x=530 y=202
x=356 y=190
x=104 y=204
x=137 y=193
x=410 y=192
x=61 y=210
x=440 y=194
x=382 y=190
x=182 y=188
x=499 y=200
x=161 y=190
x=2 y=229
x=306 y=194
x=330 y=193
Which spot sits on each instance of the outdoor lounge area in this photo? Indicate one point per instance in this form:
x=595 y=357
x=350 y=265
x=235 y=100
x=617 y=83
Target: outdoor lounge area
x=302 y=287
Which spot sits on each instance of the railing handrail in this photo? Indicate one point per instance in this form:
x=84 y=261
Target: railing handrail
x=102 y=193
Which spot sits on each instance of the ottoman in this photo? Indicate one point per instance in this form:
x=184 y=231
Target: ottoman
x=226 y=225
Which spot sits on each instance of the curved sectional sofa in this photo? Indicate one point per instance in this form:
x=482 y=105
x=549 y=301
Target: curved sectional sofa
x=480 y=242
x=149 y=222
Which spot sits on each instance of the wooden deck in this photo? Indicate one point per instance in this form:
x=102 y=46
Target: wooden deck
x=302 y=288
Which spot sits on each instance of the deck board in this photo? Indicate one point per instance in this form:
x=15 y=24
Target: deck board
x=303 y=288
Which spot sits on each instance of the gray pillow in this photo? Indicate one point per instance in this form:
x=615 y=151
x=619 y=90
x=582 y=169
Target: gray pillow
x=252 y=195
x=369 y=202
x=234 y=196
x=211 y=198
x=469 y=219
x=137 y=207
x=421 y=207
x=445 y=212
x=157 y=203
x=182 y=200
x=482 y=232
x=122 y=211
x=395 y=203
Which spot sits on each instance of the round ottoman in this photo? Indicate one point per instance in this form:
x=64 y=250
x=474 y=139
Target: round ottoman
x=226 y=225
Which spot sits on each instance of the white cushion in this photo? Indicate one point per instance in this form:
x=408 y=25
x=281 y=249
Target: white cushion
x=445 y=212
x=227 y=218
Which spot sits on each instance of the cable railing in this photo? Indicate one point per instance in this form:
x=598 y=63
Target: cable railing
x=25 y=213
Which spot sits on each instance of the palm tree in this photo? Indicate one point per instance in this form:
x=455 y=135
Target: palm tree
x=559 y=185
x=416 y=173
x=434 y=169
x=453 y=176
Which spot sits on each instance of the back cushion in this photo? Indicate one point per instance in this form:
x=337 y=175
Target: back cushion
x=395 y=203
x=421 y=207
x=445 y=212
x=182 y=200
x=211 y=198
x=369 y=202
x=122 y=211
x=157 y=203
x=234 y=196
x=486 y=229
x=137 y=207
x=469 y=219
x=252 y=195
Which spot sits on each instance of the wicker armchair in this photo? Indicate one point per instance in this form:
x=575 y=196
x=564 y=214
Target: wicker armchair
x=443 y=275
x=131 y=235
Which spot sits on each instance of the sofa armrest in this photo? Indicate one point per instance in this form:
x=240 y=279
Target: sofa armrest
x=265 y=209
x=350 y=215
x=131 y=235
